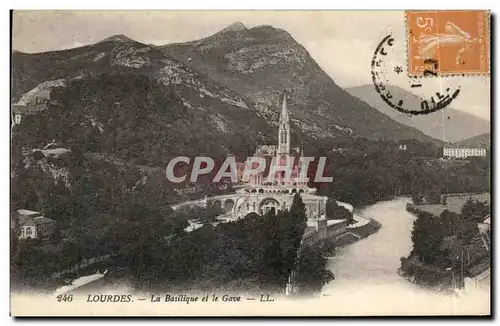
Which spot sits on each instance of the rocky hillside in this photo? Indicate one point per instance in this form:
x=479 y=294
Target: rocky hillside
x=122 y=88
x=449 y=124
x=260 y=62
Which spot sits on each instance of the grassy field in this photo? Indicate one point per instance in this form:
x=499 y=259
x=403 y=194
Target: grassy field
x=454 y=203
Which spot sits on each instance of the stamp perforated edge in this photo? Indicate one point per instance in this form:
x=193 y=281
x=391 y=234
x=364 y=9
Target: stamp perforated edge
x=448 y=74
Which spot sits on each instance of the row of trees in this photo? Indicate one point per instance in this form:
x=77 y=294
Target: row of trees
x=437 y=239
x=120 y=211
x=96 y=213
x=366 y=171
x=252 y=254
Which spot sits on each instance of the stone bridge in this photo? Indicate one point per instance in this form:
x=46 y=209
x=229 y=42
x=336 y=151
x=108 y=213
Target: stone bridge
x=241 y=203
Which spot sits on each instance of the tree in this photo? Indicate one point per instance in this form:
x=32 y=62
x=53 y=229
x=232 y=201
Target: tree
x=427 y=236
x=292 y=225
x=434 y=196
x=336 y=212
x=417 y=198
x=475 y=211
x=450 y=222
x=312 y=271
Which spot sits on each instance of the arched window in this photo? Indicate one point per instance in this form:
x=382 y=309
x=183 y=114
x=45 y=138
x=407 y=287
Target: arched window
x=29 y=232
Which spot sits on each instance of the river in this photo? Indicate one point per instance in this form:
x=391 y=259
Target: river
x=366 y=280
x=366 y=284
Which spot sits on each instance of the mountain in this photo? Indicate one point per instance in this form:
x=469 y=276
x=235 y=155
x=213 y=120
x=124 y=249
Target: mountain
x=234 y=27
x=458 y=125
x=261 y=62
x=476 y=141
x=118 y=38
x=130 y=99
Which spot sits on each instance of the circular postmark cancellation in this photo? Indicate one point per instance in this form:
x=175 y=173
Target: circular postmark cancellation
x=381 y=67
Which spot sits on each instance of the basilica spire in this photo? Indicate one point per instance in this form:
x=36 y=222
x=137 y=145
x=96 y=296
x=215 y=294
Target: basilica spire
x=284 y=110
x=284 y=129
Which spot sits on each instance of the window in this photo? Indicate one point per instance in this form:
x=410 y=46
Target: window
x=17 y=119
x=29 y=232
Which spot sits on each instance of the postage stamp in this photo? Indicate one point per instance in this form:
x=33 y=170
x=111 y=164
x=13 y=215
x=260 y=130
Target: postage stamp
x=448 y=42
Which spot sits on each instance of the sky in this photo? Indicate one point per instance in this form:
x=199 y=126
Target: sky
x=341 y=42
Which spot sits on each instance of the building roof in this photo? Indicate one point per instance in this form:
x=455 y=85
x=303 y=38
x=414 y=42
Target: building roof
x=27 y=212
x=332 y=222
x=55 y=151
x=79 y=282
x=463 y=147
x=34 y=221
x=32 y=218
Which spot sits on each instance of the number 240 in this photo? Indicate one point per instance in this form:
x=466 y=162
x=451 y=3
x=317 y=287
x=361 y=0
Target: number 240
x=65 y=298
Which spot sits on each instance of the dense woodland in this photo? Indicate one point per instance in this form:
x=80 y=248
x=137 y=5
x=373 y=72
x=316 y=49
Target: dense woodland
x=137 y=120
x=439 y=243
x=252 y=254
x=366 y=171
x=104 y=207
x=152 y=250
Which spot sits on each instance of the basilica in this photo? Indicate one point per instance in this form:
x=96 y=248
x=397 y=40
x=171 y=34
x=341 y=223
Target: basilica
x=261 y=194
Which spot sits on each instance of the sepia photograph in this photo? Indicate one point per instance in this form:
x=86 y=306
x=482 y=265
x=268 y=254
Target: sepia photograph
x=250 y=163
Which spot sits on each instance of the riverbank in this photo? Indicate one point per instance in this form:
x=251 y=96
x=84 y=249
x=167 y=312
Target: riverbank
x=451 y=202
x=354 y=235
x=367 y=271
x=337 y=233
x=458 y=256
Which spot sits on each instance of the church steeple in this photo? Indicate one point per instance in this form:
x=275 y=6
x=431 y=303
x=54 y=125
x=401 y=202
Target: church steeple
x=284 y=129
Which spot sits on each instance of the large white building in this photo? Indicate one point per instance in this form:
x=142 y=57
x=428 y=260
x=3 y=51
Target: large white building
x=463 y=152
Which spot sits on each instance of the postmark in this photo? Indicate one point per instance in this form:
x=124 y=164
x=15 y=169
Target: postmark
x=448 y=42
x=381 y=69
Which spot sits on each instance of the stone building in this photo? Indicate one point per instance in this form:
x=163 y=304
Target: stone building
x=33 y=225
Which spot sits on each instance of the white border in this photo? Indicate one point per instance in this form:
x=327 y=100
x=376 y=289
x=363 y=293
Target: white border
x=189 y=4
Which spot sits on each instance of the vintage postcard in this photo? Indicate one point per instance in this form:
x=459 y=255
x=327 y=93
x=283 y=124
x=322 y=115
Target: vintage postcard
x=250 y=163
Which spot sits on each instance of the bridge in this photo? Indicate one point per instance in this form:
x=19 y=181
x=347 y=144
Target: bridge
x=262 y=200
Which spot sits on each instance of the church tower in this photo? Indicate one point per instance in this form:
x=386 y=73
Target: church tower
x=284 y=130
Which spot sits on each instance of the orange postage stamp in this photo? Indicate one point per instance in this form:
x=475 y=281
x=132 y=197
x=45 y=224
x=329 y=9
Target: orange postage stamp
x=448 y=42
